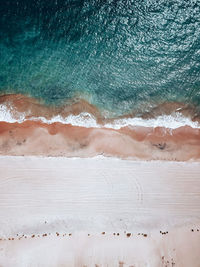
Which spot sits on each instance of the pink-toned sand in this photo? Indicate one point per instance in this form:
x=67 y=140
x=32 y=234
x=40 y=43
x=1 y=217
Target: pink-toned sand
x=57 y=139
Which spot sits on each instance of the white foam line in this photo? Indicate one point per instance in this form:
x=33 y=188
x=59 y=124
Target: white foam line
x=87 y=120
x=168 y=121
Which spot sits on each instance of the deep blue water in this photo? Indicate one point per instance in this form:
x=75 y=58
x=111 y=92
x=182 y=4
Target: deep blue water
x=119 y=55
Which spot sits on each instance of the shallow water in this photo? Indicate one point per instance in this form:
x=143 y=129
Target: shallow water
x=118 y=55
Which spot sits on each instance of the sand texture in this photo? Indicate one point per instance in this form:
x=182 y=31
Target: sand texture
x=99 y=212
x=57 y=139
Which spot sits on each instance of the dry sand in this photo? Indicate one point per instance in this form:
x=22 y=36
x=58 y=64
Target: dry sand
x=54 y=212
x=57 y=139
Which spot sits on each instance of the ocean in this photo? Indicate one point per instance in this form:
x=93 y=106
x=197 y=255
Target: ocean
x=123 y=57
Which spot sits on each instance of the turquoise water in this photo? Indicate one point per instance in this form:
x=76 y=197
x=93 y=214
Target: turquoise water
x=118 y=55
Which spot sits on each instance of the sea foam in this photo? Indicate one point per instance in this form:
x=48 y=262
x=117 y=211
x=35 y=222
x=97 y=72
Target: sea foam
x=84 y=119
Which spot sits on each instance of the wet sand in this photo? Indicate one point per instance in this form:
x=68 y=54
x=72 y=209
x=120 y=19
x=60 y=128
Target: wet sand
x=31 y=137
x=108 y=212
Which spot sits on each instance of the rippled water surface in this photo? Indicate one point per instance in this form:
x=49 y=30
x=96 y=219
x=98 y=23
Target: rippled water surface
x=118 y=55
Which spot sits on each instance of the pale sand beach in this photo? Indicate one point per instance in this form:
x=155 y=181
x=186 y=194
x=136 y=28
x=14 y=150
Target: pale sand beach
x=99 y=212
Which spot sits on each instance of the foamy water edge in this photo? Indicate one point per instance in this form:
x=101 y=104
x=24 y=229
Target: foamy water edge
x=87 y=120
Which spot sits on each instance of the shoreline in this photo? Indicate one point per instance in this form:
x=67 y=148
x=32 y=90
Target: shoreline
x=17 y=108
x=79 y=129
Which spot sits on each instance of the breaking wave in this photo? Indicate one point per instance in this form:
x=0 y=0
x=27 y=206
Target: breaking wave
x=87 y=120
